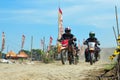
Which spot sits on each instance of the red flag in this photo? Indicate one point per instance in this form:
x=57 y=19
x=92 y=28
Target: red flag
x=60 y=11
x=3 y=41
x=23 y=40
x=51 y=40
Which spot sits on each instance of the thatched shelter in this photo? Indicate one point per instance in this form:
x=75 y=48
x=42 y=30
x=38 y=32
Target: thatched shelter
x=11 y=54
x=22 y=54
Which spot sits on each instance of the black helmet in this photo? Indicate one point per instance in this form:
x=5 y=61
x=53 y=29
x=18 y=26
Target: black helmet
x=91 y=34
x=67 y=29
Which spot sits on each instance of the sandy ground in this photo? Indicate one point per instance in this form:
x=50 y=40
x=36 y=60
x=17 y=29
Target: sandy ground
x=52 y=71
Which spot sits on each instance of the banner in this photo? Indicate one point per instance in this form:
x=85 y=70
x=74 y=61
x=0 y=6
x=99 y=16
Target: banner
x=3 y=41
x=23 y=41
x=60 y=24
x=79 y=47
x=60 y=29
x=51 y=40
x=50 y=43
x=42 y=43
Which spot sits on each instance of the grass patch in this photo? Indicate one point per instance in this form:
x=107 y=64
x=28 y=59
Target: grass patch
x=110 y=66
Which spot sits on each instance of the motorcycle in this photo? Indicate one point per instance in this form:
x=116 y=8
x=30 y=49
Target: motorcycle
x=67 y=52
x=92 y=52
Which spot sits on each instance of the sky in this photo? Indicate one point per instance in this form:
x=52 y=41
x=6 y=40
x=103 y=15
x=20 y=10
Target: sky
x=39 y=18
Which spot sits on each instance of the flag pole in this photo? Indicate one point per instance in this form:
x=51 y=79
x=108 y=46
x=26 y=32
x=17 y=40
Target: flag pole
x=115 y=35
x=23 y=41
x=117 y=19
x=1 y=54
x=43 y=44
x=31 y=46
x=60 y=26
x=3 y=44
x=59 y=19
x=58 y=23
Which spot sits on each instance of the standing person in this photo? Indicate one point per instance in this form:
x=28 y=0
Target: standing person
x=92 y=38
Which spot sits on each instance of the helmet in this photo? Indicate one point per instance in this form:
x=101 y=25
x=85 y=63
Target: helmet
x=67 y=29
x=91 y=34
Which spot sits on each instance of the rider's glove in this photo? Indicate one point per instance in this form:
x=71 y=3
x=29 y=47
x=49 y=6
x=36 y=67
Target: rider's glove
x=59 y=40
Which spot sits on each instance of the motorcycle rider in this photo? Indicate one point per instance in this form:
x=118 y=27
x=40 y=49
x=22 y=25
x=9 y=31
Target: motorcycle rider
x=92 y=38
x=68 y=35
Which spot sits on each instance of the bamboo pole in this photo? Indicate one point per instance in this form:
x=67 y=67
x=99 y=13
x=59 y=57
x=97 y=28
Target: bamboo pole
x=117 y=19
x=115 y=35
x=31 y=46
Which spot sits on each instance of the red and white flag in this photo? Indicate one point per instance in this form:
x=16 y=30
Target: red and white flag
x=3 y=41
x=50 y=43
x=79 y=47
x=60 y=24
x=23 y=41
x=42 y=43
x=51 y=40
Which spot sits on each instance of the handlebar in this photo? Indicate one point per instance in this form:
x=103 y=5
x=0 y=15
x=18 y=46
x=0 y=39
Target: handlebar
x=73 y=39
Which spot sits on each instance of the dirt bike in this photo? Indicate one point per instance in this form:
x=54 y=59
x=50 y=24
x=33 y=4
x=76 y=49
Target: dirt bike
x=92 y=52
x=67 y=52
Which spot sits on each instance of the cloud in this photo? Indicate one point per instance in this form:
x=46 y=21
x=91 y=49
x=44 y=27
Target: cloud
x=22 y=11
x=27 y=16
x=91 y=1
x=95 y=12
x=99 y=13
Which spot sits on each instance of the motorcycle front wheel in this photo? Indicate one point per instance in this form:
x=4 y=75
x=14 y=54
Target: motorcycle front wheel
x=64 y=56
x=91 y=58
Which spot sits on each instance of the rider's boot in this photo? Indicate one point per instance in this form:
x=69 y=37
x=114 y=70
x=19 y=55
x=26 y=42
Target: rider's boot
x=68 y=56
x=97 y=56
x=86 y=56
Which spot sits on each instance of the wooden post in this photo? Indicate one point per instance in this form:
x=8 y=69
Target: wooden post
x=31 y=46
x=117 y=19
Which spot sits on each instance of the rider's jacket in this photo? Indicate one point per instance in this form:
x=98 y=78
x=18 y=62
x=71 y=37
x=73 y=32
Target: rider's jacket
x=68 y=36
x=92 y=40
